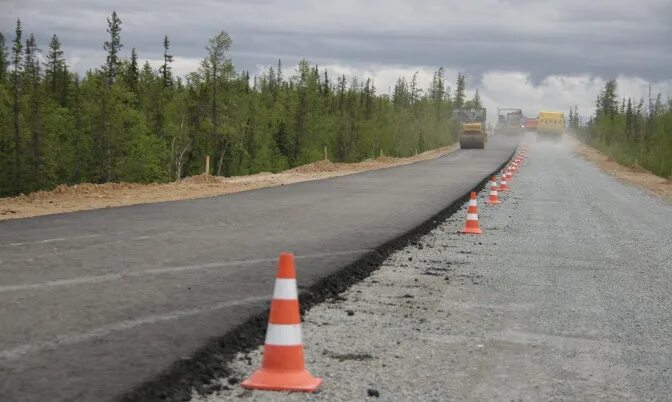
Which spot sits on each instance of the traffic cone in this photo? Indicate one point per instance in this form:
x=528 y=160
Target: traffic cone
x=493 y=199
x=282 y=368
x=471 y=225
x=503 y=185
x=509 y=175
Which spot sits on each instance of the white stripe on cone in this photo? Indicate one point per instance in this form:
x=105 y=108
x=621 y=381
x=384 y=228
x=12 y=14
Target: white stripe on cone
x=472 y=203
x=283 y=335
x=472 y=217
x=285 y=289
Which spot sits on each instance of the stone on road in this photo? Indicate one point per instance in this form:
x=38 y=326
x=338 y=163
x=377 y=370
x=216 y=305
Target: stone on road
x=565 y=297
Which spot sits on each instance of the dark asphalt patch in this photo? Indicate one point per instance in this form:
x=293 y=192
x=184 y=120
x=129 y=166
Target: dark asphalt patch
x=210 y=362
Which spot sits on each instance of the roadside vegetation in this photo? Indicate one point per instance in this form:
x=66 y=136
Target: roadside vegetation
x=635 y=132
x=126 y=121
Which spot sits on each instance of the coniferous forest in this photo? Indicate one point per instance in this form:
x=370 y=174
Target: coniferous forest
x=126 y=121
x=634 y=132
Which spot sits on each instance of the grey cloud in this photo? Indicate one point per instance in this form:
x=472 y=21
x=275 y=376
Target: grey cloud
x=540 y=37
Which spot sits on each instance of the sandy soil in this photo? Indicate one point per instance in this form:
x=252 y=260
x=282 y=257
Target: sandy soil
x=65 y=198
x=639 y=176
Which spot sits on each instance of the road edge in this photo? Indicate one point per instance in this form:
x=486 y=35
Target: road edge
x=209 y=362
x=330 y=175
x=632 y=176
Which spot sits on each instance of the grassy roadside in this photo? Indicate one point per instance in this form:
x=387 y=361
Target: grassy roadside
x=636 y=175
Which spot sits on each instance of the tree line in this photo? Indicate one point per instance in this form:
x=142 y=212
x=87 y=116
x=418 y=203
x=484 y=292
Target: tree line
x=635 y=132
x=124 y=121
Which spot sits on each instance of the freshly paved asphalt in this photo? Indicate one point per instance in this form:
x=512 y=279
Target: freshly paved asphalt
x=95 y=303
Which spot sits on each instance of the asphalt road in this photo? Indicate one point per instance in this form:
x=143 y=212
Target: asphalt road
x=95 y=303
x=565 y=297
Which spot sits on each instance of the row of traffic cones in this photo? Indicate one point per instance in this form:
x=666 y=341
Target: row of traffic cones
x=472 y=225
x=282 y=366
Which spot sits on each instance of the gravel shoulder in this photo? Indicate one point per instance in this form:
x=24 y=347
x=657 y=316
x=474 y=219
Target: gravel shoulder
x=86 y=196
x=565 y=297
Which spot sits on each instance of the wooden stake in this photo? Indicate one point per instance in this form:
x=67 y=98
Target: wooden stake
x=207 y=164
x=325 y=154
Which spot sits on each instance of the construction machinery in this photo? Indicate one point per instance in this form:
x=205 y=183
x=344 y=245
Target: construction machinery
x=470 y=124
x=551 y=125
x=510 y=121
x=531 y=124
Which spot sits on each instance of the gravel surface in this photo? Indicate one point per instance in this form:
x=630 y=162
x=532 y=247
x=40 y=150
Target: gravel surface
x=565 y=296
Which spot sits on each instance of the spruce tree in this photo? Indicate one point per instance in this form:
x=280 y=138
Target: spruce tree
x=609 y=99
x=459 y=98
x=113 y=47
x=628 y=120
x=32 y=81
x=132 y=75
x=571 y=116
x=17 y=51
x=55 y=70
x=215 y=68
x=414 y=87
x=165 y=69
x=477 y=100
x=326 y=91
x=4 y=60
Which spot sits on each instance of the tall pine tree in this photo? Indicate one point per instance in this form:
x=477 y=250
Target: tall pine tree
x=17 y=52
x=132 y=76
x=165 y=70
x=113 y=47
x=4 y=60
x=216 y=68
x=56 y=71
x=32 y=86
x=460 y=96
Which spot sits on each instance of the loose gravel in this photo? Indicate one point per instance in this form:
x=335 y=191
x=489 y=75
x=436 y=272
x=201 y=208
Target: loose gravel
x=565 y=296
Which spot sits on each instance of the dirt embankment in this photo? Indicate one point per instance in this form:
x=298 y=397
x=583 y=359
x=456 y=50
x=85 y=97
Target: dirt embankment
x=65 y=198
x=639 y=176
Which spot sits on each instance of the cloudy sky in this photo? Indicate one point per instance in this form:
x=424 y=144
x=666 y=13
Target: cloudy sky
x=533 y=54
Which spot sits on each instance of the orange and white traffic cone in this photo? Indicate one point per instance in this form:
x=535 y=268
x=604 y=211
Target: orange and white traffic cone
x=493 y=198
x=471 y=225
x=503 y=184
x=282 y=368
x=509 y=172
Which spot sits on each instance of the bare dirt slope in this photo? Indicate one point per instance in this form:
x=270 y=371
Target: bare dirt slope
x=85 y=196
x=639 y=176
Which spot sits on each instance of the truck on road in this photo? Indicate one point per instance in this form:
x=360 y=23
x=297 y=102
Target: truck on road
x=471 y=127
x=531 y=124
x=510 y=121
x=551 y=125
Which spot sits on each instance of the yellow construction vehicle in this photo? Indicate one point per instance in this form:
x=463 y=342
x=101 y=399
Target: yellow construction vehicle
x=551 y=125
x=471 y=127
